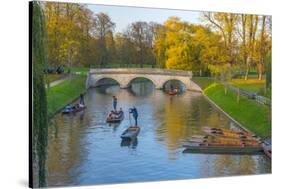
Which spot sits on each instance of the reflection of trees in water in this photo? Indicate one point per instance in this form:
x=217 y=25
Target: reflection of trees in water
x=182 y=117
x=233 y=165
x=65 y=143
x=129 y=143
x=108 y=89
x=141 y=87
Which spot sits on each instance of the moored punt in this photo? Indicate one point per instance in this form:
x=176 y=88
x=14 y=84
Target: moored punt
x=73 y=109
x=222 y=149
x=131 y=132
x=227 y=131
x=228 y=134
x=267 y=150
x=225 y=140
x=200 y=136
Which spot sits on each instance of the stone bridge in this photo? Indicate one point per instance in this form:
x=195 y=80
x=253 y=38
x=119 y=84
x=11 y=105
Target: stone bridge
x=124 y=77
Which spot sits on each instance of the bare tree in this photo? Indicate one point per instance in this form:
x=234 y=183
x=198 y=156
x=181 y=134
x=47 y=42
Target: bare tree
x=103 y=25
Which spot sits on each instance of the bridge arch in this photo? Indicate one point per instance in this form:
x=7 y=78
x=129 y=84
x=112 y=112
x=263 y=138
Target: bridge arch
x=141 y=77
x=106 y=81
x=164 y=85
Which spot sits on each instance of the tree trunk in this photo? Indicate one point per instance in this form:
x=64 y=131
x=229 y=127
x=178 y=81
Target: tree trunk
x=247 y=68
x=259 y=68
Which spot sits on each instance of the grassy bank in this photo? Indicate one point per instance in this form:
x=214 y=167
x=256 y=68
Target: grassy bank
x=250 y=114
x=54 y=77
x=81 y=70
x=253 y=85
x=64 y=93
x=203 y=82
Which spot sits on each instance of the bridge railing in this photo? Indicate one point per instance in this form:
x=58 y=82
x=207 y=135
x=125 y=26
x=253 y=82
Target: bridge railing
x=151 y=71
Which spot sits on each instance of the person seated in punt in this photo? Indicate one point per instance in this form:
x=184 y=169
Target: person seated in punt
x=67 y=107
x=120 y=112
x=176 y=90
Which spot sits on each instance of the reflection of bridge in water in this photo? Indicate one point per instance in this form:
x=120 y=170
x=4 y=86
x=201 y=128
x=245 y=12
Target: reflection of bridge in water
x=125 y=76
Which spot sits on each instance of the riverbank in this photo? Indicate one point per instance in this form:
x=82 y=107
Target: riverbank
x=251 y=115
x=63 y=93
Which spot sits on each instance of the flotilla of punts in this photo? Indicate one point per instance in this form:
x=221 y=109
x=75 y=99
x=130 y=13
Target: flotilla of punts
x=215 y=141
x=226 y=141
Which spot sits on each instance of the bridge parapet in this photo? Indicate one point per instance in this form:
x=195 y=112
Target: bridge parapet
x=150 y=71
x=124 y=77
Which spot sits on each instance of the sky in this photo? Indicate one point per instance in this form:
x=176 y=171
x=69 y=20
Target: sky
x=123 y=16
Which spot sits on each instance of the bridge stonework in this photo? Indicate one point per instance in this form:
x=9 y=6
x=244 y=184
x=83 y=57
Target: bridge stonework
x=124 y=77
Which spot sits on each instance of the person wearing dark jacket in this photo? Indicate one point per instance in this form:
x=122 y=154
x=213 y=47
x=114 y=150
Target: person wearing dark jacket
x=135 y=115
x=82 y=99
x=114 y=102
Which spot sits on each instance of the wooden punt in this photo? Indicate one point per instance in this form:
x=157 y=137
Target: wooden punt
x=226 y=140
x=200 y=136
x=228 y=134
x=131 y=132
x=267 y=150
x=222 y=149
x=227 y=131
x=73 y=110
x=222 y=138
x=117 y=119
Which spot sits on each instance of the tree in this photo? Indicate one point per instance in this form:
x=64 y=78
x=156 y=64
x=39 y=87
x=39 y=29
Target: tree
x=141 y=34
x=252 y=29
x=225 y=24
x=177 y=52
x=103 y=25
x=160 y=45
x=69 y=28
x=39 y=122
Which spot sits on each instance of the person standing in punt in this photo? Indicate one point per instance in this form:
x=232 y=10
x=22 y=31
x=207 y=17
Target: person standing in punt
x=135 y=115
x=82 y=99
x=114 y=103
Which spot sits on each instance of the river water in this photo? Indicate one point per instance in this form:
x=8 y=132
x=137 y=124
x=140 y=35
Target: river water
x=83 y=149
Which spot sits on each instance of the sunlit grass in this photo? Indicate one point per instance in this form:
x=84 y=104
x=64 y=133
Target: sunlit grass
x=252 y=115
x=81 y=70
x=53 y=77
x=64 y=93
x=253 y=85
x=203 y=82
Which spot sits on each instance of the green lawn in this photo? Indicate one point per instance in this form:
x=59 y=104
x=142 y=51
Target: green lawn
x=254 y=85
x=203 y=82
x=81 y=70
x=254 y=116
x=64 y=93
x=54 y=77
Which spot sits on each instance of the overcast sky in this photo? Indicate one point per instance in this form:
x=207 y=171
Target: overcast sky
x=122 y=16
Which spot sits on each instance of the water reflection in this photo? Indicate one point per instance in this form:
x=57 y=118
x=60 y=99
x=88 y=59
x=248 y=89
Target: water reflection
x=129 y=143
x=84 y=149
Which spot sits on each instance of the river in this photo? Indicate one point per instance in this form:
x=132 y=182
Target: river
x=83 y=149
